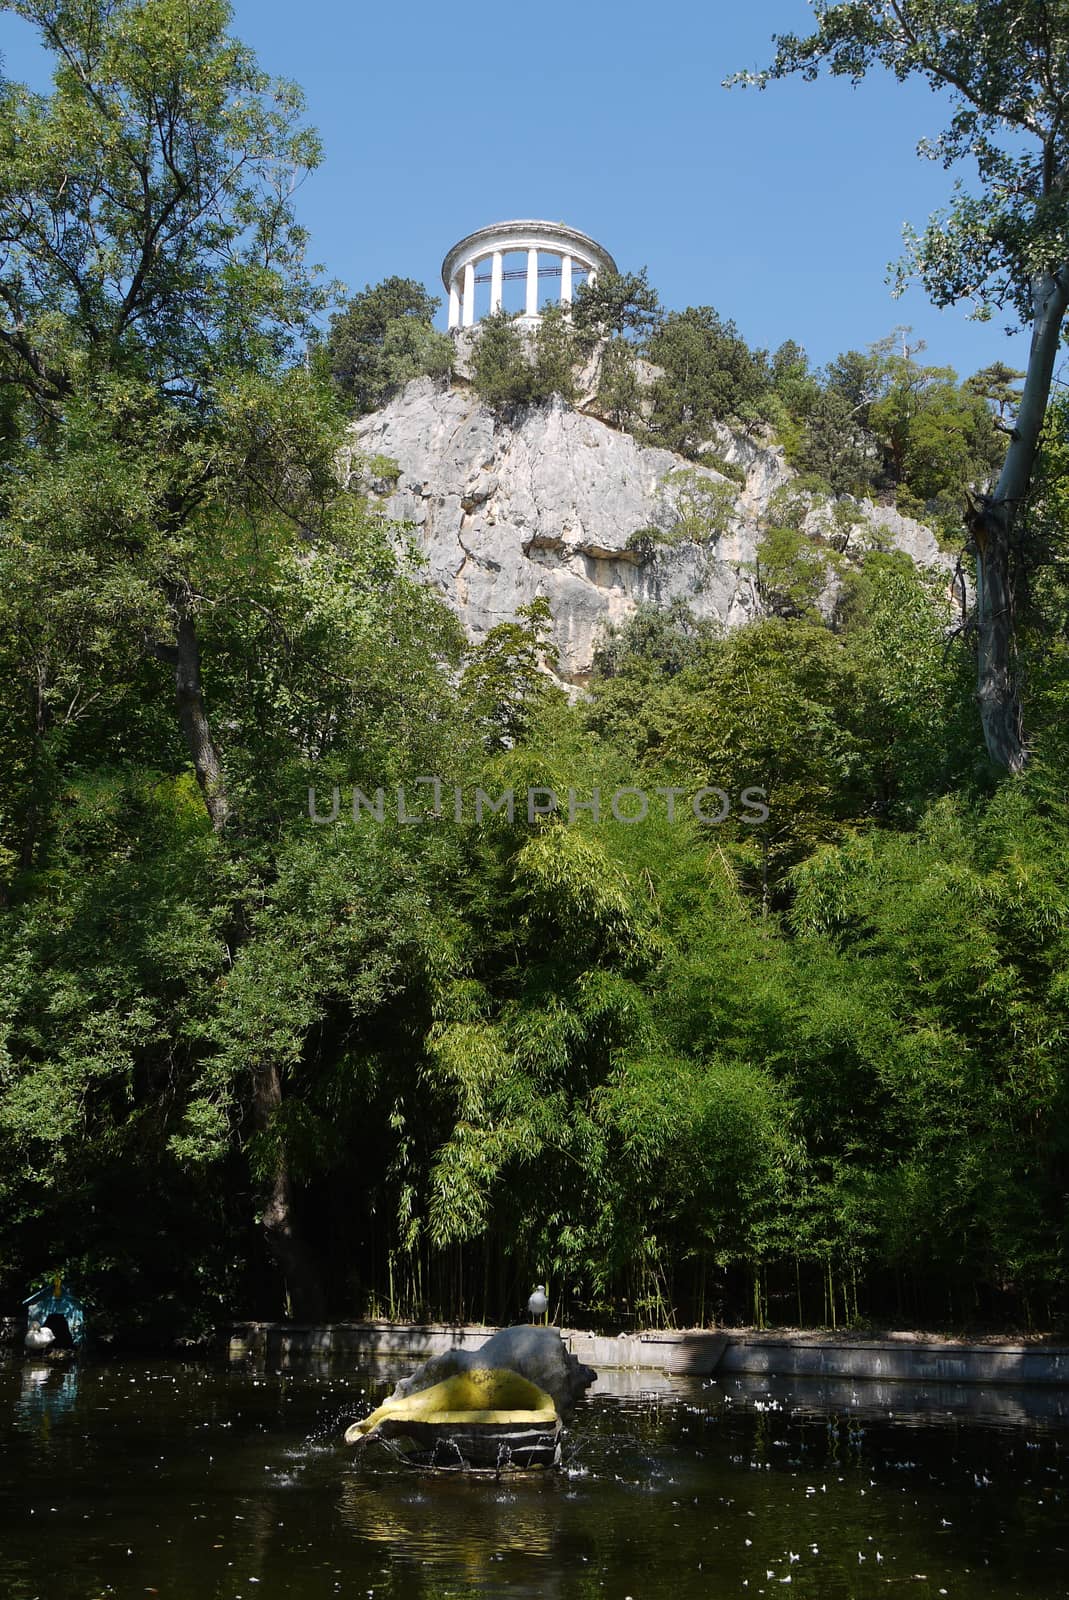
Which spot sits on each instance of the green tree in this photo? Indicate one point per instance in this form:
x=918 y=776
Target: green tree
x=771 y=707
x=513 y=368
x=633 y=663
x=790 y=572
x=383 y=338
x=793 y=379
x=707 y=374
x=938 y=437
x=666 y=638
x=618 y=396
x=886 y=423
x=834 y=446
x=611 y=318
x=502 y=372
x=620 y=304
x=1043 y=595
x=556 y=355
x=156 y=299
x=155 y=285
x=997 y=384
x=914 y=705
x=506 y=684
x=969 y=907
x=1003 y=64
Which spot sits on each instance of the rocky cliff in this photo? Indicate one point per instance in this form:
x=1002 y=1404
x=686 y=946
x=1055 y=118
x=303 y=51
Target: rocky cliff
x=557 y=503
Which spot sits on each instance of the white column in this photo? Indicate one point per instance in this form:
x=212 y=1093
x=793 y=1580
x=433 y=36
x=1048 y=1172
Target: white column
x=565 y=280
x=532 y=283
x=592 y=277
x=469 y=294
x=454 y=304
x=495 y=281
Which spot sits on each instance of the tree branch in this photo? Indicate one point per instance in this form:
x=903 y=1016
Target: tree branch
x=939 y=70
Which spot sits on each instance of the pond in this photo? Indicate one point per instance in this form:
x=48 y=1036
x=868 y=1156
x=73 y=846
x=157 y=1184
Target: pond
x=202 y=1482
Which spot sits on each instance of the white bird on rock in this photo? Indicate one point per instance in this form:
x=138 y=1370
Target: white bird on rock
x=538 y=1304
x=37 y=1337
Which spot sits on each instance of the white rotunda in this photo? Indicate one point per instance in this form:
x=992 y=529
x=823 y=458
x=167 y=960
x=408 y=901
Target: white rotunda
x=515 y=251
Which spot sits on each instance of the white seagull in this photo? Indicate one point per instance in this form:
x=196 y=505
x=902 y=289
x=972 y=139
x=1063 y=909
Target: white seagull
x=537 y=1305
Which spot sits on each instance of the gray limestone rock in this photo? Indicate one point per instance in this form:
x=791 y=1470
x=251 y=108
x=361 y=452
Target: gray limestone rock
x=558 y=503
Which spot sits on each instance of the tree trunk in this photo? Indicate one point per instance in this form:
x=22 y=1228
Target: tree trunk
x=280 y=1229
x=991 y=523
x=35 y=806
x=281 y=1233
x=996 y=685
x=194 y=719
x=279 y=1225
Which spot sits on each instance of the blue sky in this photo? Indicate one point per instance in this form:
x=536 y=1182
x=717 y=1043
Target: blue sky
x=782 y=208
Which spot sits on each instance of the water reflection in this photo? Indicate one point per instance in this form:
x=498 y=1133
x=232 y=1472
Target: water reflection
x=1015 y=1405
x=48 y=1391
x=466 y=1525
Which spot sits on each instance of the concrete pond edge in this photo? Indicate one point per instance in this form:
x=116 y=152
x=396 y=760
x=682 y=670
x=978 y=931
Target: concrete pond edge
x=694 y=1352
x=909 y=1358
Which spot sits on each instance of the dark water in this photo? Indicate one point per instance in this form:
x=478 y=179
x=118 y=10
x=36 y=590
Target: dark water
x=197 y=1482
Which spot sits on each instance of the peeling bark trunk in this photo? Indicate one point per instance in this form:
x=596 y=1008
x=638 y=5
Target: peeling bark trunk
x=281 y=1233
x=991 y=523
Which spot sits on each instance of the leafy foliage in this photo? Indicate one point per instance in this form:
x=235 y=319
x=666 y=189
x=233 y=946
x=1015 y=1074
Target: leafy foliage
x=513 y=368
x=617 y=305
x=708 y=374
x=382 y=339
x=808 y=1064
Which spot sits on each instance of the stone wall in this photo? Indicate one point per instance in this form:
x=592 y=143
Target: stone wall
x=698 y=1352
